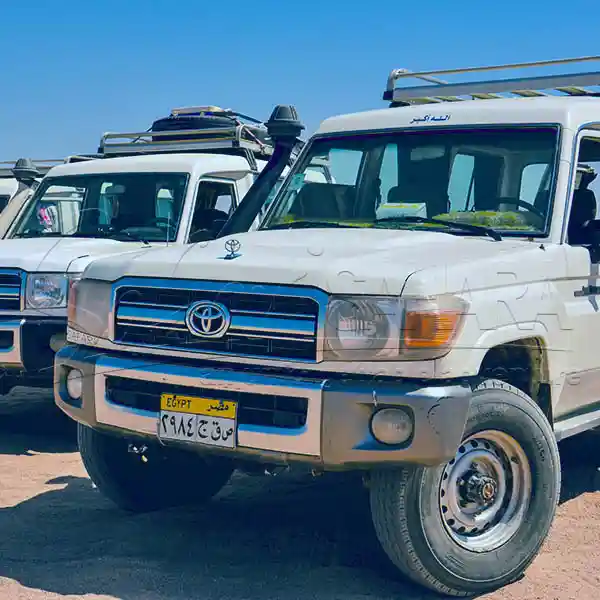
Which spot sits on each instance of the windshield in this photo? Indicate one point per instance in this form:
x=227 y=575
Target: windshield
x=500 y=178
x=126 y=206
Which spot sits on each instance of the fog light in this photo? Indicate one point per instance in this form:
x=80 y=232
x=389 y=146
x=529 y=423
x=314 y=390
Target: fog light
x=75 y=384
x=392 y=426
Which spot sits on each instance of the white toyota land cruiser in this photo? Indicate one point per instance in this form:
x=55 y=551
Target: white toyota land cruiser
x=429 y=319
x=174 y=185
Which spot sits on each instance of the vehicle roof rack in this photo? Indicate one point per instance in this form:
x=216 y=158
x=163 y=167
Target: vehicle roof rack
x=438 y=90
x=247 y=139
x=42 y=165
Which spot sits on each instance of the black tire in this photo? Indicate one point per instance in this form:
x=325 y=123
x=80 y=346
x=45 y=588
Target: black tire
x=169 y=477
x=407 y=504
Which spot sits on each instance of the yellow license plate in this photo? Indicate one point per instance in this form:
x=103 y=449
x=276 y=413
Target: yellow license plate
x=199 y=406
x=200 y=420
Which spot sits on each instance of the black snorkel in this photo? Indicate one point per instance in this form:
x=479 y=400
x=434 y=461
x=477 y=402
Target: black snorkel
x=26 y=173
x=284 y=128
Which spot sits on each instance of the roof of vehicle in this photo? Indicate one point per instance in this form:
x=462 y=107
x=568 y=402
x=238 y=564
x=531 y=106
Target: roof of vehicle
x=569 y=112
x=176 y=163
x=570 y=99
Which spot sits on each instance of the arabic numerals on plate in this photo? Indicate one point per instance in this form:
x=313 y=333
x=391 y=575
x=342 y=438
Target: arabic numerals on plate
x=178 y=426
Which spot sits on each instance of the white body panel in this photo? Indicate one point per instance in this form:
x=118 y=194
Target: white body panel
x=515 y=288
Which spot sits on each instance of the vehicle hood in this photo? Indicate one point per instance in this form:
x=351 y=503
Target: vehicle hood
x=363 y=261
x=62 y=255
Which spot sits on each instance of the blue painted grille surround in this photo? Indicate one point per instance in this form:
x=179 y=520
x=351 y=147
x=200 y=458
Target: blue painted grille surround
x=12 y=285
x=267 y=321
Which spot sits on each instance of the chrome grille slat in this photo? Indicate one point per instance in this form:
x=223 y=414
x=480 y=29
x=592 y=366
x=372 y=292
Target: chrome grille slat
x=263 y=325
x=11 y=284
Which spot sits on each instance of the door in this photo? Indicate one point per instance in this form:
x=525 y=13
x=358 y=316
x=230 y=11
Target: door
x=581 y=290
x=216 y=199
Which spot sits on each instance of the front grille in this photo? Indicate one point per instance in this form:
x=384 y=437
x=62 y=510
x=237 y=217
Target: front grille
x=263 y=325
x=10 y=290
x=285 y=412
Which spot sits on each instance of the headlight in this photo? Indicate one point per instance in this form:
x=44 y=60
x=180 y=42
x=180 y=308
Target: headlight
x=362 y=328
x=89 y=307
x=372 y=328
x=48 y=290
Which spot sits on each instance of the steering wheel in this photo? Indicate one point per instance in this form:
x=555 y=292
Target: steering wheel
x=526 y=205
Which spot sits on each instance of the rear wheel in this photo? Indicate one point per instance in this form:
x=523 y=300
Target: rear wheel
x=476 y=523
x=155 y=479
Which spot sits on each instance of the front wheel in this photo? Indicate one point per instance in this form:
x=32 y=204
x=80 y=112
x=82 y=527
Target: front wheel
x=159 y=478
x=477 y=522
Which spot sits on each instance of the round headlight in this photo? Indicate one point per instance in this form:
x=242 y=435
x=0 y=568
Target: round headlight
x=354 y=324
x=392 y=426
x=74 y=383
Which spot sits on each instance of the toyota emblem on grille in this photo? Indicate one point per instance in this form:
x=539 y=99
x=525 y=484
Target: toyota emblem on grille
x=207 y=319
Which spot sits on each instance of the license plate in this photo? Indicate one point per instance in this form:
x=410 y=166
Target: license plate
x=78 y=337
x=201 y=420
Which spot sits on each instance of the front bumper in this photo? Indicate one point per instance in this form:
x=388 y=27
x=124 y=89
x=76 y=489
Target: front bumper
x=120 y=393
x=25 y=344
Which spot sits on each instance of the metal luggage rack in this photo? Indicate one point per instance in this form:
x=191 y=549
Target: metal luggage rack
x=438 y=90
x=42 y=165
x=238 y=139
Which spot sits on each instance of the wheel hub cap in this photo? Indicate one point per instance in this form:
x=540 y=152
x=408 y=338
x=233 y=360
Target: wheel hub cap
x=485 y=491
x=480 y=489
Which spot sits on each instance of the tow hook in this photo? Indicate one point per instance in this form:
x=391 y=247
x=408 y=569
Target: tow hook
x=139 y=450
x=262 y=470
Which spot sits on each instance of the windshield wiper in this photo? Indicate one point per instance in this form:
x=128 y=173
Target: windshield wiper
x=456 y=224
x=40 y=234
x=305 y=225
x=131 y=236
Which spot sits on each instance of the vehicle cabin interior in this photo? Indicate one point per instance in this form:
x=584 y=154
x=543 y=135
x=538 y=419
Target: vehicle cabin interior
x=432 y=177
x=215 y=202
x=583 y=212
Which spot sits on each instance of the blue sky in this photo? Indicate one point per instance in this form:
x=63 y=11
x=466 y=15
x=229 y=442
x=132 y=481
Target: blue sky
x=73 y=70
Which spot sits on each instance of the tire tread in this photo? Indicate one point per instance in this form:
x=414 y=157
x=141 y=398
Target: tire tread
x=391 y=520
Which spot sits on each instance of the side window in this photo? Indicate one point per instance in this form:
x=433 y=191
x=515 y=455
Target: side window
x=344 y=165
x=388 y=175
x=58 y=210
x=164 y=204
x=212 y=195
x=461 y=186
x=225 y=202
x=169 y=197
x=271 y=196
x=584 y=199
x=107 y=201
x=305 y=196
x=533 y=178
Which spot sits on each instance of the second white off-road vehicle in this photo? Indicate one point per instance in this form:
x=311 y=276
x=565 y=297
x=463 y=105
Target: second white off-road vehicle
x=17 y=178
x=428 y=319
x=173 y=185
